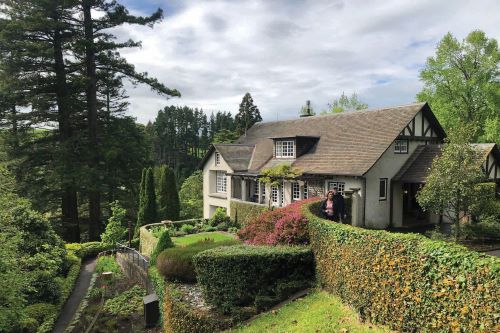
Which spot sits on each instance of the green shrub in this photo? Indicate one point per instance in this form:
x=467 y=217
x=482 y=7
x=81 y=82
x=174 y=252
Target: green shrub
x=107 y=264
x=164 y=242
x=176 y=264
x=220 y=216
x=222 y=226
x=115 y=229
x=40 y=311
x=405 y=281
x=180 y=317
x=125 y=304
x=242 y=213
x=88 y=250
x=188 y=229
x=237 y=275
x=159 y=284
x=487 y=229
x=43 y=287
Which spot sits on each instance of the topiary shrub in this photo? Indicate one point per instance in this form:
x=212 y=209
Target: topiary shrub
x=241 y=275
x=286 y=226
x=406 y=281
x=220 y=216
x=176 y=264
x=164 y=242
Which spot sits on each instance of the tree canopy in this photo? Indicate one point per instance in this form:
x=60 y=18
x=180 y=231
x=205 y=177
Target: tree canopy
x=345 y=103
x=248 y=114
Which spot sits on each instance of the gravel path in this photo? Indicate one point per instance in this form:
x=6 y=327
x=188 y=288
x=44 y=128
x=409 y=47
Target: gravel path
x=71 y=306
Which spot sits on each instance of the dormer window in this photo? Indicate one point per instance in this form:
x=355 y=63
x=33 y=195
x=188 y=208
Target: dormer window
x=217 y=159
x=285 y=148
x=401 y=146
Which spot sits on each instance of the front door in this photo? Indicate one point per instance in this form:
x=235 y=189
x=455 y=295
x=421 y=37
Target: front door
x=412 y=212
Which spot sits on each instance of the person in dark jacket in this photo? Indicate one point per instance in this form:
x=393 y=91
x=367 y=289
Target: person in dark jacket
x=327 y=206
x=338 y=206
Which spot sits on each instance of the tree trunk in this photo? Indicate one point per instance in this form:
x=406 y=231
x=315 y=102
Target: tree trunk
x=91 y=94
x=69 y=203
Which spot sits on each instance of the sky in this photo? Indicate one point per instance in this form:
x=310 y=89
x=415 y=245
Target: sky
x=287 y=52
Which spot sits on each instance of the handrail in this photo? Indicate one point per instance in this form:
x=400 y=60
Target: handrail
x=138 y=259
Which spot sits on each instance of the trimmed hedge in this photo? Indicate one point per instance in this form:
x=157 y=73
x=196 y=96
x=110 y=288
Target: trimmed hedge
x=180 y=317
x=253 y=275
x=159 y=286
x=242 y=212
x=407 y=281
x=89 y=249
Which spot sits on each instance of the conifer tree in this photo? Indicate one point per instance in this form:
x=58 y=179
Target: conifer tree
x=169 y=205
x=248 y=114
x=149 y=208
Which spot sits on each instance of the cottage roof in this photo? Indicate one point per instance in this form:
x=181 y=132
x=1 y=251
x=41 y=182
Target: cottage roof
x=237 y=156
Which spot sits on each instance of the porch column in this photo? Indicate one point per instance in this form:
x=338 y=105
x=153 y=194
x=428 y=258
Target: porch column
x=287 y=188
x=244 y=191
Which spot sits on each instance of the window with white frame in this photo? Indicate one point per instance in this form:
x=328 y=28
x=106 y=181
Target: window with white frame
x=274 y=193
x=295 y=191
x=339 y=185
x=217 y=159
x=401 y=146
x=221 y=182
x=383 y=189
x=285 y=148
x=306 y=191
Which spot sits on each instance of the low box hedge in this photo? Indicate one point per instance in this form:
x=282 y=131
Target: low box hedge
x=180 y=317
x=253 y=275
x=89 y=249
x=407 y=281
x=242 y=212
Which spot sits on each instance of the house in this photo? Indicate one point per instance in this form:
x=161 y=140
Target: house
x=379 y=158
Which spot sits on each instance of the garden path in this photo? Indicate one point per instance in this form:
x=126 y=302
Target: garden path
x=71 y=306
x=495 y=253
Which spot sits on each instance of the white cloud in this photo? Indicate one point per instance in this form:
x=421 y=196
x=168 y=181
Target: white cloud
x=285 y=52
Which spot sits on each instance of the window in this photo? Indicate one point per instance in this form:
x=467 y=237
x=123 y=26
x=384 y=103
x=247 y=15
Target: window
x=295 y=191
x=339 y=185
x=383 y=189
x=306 y=191
x=217 y=159
x=274 y=194
x=401 y=146
x=285 y=148
x=221 y=182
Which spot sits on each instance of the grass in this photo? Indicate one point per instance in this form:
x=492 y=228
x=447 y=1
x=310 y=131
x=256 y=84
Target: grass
x=318 y=312
x=191 y=239
x=107 y=264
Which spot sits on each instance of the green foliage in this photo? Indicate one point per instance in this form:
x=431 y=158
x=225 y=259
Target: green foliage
x=147 y=204
x=227 y=280
x=242 y=212
x=176 y=264
x=225 y=136
x=406 y=281
x=248 y=114
x=115 y=231
x=127 y=303
x=461 y=84
x=276 y=174
x=40 y=311
x=107 y=264
x=191 y=196
x=191 y=239
x=307 y=110
x=168 y=197
x=486 y=229
x=164 y=242
x=188 y=229
x=159 y=285
x=181 y=317
x=220 y=216
x=88 y=250
x=450 y=187
x=345 y=104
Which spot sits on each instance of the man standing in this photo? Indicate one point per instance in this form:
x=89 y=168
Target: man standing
x=338 y=206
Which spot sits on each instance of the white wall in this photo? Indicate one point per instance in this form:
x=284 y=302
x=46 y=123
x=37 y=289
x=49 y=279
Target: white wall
x=377 y=213
x=211 y=199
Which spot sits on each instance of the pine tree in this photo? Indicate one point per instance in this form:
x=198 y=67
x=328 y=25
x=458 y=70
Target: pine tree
x=168 y=201
x=149 y=209
x=248 y=114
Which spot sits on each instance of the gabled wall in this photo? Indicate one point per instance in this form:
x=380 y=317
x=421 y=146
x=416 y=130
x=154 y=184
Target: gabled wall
x=212 y=199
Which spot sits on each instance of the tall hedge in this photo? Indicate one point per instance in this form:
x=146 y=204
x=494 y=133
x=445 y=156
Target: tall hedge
x=252 y=275
x=406 y=281
x=168 y=196
x=147 y=201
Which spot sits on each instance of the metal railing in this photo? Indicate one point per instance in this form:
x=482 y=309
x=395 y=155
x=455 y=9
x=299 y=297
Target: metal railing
x=139 y=260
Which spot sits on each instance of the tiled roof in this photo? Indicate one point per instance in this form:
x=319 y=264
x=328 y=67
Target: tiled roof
x=350 y=143
x=237 y=156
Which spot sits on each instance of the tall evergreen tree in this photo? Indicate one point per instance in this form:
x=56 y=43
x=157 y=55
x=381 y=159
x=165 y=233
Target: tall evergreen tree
x=168 y=200
x=148 y=212
x=247 y=115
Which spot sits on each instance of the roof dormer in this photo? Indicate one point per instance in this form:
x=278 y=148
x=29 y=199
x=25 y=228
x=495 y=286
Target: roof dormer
x=292 y=147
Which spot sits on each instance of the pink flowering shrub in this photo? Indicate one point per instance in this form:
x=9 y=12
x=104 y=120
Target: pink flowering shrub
x=282 y=226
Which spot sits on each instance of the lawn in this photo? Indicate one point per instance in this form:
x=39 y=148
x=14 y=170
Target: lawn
x=318 y=312
x=190 y=239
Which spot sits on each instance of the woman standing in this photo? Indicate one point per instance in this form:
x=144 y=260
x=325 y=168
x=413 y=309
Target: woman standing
x=327 y=206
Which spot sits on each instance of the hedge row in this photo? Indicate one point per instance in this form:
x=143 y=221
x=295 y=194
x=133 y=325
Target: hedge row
x=253 y=275
x=179 y=317
x=242 y=212
x=405 y=281
x=159 y=285
x=89 y=249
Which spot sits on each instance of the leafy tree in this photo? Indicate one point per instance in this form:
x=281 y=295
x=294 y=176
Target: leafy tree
x=225 y=136
x=248 y=114
x=191 y=196
x=115 y=229
x=307 y=110
x=274 y=176
x=450 y=187
x=147 y=209
x=461 y=84
x=168 y=200
x=345 y=103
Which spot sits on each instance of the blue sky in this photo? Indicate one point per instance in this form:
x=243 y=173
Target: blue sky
x=287 y=52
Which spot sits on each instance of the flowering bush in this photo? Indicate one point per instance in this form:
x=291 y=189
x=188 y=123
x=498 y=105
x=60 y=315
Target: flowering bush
x=286 y=226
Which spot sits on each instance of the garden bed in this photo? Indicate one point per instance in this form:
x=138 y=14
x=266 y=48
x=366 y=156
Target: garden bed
x=217 y=236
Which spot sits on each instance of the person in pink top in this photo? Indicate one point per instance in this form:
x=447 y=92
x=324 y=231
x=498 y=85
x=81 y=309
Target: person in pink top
x=327 y=206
